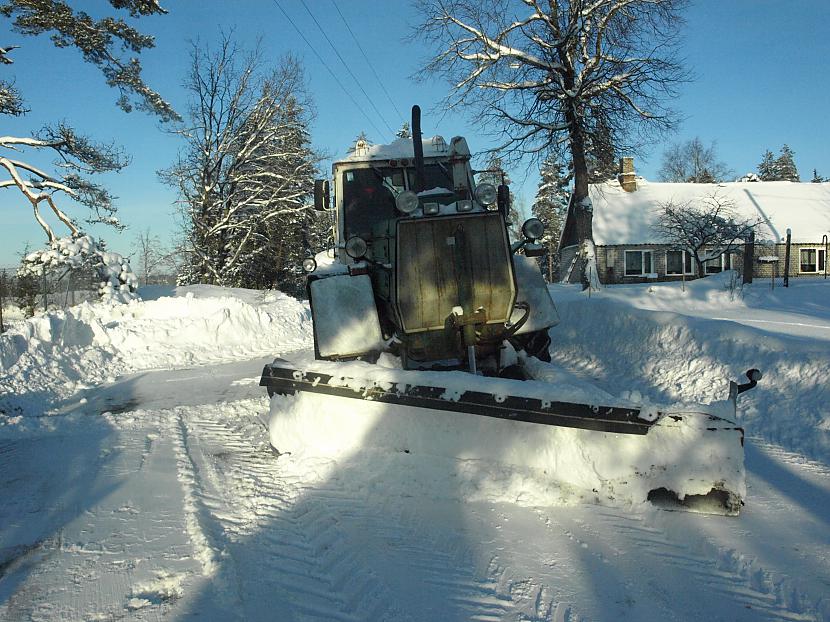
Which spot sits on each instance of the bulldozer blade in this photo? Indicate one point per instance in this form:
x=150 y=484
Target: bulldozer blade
x=287 y=381
x=689 y=460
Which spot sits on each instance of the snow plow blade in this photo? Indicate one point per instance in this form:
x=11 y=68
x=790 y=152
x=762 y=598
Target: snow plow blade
x=286 y=381
x=690 y=460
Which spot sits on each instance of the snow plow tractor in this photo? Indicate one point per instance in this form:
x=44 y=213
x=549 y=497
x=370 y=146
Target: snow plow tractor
x=430 y=314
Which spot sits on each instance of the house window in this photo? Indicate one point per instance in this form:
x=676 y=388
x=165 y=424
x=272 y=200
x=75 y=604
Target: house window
x=718 y=264
x=812 y=260
x=678 y=262
x=638 y=263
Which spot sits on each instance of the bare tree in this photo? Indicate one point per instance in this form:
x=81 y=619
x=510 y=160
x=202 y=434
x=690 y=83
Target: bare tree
x=77 y=156
x=693 y=162
x=550 y=75
x=151 y=256
x=246 y=164
x=706 y=227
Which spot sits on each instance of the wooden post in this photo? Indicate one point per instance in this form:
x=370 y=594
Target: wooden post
x=2 y=299
x=43 y=286
x=749 y=257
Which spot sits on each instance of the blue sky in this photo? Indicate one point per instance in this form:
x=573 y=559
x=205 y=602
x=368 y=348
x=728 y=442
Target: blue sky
x=762 y=79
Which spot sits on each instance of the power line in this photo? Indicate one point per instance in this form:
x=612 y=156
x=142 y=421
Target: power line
x=333 y=75
x=354 y=77
x=368 y=62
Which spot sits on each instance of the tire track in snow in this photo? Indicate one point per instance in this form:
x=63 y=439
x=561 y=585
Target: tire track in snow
x=288 y=550
x=338 y=550
x=432 y=561
x=202 y=532
x=668 y=568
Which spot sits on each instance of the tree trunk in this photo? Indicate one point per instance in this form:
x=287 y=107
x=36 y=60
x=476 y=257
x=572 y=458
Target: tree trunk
x=581 y=213
x=699 y=266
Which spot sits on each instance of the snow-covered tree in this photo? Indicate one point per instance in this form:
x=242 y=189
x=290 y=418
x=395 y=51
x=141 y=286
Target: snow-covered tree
x=361 y=141
x=551 y=206
x=785 y=169
x=245 y=173
x=781 y=168
x=404 y=132
x=817 y=179
x=766 y=169
x=693 y=162
x=706 y=227
x=116 y=281
x=112 y=45
x=544 y=73
x=295 y=232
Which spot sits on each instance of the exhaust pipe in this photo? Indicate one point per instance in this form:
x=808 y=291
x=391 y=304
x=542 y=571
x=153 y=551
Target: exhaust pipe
x=418 y=146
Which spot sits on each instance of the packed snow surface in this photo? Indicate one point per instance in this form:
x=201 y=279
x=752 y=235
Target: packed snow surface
x=139 y=482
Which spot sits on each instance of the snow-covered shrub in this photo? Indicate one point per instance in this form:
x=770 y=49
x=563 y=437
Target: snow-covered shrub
x=748 y=178
x=117 y=283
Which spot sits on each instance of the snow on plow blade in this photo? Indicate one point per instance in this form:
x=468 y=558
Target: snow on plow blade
x=610 y=454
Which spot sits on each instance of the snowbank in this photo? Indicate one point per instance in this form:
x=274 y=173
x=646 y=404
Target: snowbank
x=54 y=355
x=668 y=344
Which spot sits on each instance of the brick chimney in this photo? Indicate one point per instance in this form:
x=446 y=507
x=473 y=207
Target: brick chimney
x=626 y=177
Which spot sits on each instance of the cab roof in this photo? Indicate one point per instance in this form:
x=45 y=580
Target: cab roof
x=434 y=147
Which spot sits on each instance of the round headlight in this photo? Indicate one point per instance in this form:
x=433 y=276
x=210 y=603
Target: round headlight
x=309 y=265
x=486 y=194
x=356 y=247
x=407 y=202
x=533 y=229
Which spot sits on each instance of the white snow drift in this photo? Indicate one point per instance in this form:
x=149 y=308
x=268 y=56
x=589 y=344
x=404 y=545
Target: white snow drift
x=53 y=356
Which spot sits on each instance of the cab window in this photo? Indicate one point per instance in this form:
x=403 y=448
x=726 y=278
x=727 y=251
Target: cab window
x=368 y=198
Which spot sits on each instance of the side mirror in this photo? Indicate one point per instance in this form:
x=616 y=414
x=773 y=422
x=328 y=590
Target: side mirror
x=503 y=199
x=321 y=194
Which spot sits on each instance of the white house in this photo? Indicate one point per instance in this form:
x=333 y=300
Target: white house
x=629 y=250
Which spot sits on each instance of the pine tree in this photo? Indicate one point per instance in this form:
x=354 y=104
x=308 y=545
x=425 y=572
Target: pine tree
x=766 y=169
x=551 y=206
x=785 y=169
x=361 y=142
x=404 y=132
x=817 y=179
x=781 y=168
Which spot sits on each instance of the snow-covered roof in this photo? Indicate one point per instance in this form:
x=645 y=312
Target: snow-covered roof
x=402 y=148
x=626 y=217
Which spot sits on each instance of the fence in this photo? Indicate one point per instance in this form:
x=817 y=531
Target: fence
x=24 y=296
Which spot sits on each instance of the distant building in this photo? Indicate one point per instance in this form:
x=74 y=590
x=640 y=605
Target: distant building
x=629 y=251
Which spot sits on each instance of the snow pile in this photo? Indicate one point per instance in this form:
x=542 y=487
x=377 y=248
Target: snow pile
x=669 y=343
x=54 y=355
x=497 y=460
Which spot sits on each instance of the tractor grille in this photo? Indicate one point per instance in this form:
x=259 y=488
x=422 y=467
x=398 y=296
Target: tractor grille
x=453 y=261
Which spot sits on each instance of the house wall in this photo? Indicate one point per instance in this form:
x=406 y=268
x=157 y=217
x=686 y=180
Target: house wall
x=611 y=262
x=778 y=268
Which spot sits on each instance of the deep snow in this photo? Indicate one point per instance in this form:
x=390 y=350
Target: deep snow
x=156 y=495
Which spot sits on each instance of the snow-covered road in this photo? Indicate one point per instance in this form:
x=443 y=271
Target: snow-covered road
x=174 y=506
